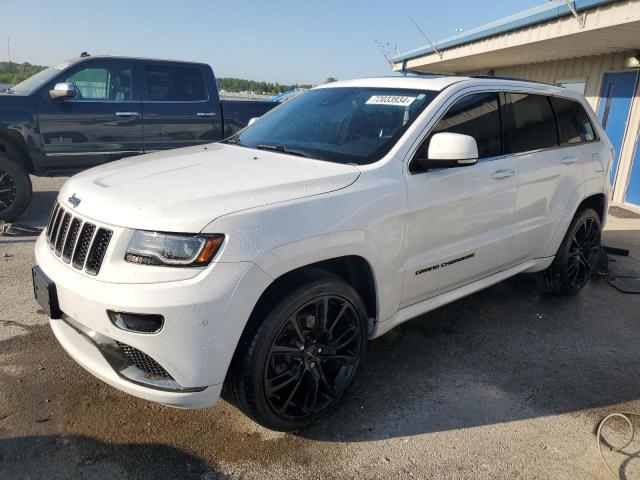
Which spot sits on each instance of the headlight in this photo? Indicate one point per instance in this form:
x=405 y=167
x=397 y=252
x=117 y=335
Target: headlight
x=153 y=248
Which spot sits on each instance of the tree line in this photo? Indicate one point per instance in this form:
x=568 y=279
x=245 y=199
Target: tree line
x=16 y=72
x=241 y=85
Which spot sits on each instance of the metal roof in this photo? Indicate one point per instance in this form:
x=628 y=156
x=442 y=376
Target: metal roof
x=544 y=13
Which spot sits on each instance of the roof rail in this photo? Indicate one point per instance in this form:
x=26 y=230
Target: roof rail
x=513 y=78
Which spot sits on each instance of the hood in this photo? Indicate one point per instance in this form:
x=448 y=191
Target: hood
x=184 y=190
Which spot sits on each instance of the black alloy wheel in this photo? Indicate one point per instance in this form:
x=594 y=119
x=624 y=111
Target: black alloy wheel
x=314 y=357
x=299 y=352
x=15 y=188
x=584 y=251
x=577 y=257
x=7 y=190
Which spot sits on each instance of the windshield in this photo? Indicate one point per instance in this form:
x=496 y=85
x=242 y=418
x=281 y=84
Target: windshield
x=28 y=86
x=340 y=124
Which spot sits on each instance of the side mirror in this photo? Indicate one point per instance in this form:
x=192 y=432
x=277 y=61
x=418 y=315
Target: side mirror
x=448 y=150
x=63 y=91
x=253 y=120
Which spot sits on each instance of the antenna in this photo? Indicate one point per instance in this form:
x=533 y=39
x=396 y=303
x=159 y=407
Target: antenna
x=426 y=38
x=385 y=53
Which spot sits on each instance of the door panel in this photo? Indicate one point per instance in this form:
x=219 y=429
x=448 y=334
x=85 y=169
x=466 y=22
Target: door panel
x=548 y=174
x=613 y=109
x=178 y=110
x=104 y=123
x=458 y=227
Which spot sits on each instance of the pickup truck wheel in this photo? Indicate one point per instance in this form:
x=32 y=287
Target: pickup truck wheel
x=303 y=353
x=15 y=188
x=577 y=256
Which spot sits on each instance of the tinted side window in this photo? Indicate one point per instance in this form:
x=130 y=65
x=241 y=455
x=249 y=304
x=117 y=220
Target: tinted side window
x=108 y=82
x=174 y=84
x=531 y=124
x=574 y=125
x=477 y=115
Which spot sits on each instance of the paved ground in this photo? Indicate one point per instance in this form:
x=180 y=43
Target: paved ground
x=506 y=383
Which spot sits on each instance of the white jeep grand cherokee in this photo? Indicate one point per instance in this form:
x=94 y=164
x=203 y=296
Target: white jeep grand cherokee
x=260 y=267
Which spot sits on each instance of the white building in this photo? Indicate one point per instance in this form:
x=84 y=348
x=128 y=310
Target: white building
x=592 y=46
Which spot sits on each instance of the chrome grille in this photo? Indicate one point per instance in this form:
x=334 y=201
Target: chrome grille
x=77 y=241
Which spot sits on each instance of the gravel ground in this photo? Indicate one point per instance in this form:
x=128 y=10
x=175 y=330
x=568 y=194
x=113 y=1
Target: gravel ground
x=506 y=383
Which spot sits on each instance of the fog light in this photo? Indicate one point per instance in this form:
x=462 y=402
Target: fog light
x=136 y=322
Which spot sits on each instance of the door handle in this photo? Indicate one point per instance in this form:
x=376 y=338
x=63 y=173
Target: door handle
x=127 y=114
x=206 y=114
x=499 y=174
x=569 y=160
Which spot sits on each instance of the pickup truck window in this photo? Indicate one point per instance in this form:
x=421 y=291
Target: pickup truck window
x=174 y=84
x=339 y=124
x=109 y=82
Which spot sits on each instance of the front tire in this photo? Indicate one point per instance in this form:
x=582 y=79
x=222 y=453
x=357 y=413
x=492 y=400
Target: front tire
x=15 y=188
x=299 y=353
x=577 y=256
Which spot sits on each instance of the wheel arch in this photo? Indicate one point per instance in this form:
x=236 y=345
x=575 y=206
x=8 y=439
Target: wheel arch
x=581 y=200
x=12 y=144
x=353 y=269
x=597 y=202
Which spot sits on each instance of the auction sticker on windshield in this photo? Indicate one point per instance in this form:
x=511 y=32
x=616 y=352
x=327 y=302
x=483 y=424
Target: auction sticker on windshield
x=398 y=100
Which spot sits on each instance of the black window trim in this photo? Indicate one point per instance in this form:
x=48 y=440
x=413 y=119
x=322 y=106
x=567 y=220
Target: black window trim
x=145 y=93
x=445 y=109
x=593 y=127
x=558 y=146
x=555 y=119
x=73 y=69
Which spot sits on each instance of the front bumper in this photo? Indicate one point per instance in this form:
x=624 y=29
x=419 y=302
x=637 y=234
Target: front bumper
x=85 y=352
x=204 y=317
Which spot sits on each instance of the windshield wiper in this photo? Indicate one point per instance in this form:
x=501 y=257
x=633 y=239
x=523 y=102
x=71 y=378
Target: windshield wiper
x=283 y=149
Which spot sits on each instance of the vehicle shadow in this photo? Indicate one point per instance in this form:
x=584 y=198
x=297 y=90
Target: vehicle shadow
x=37 y=213
x=506 y=353
x=75 y=456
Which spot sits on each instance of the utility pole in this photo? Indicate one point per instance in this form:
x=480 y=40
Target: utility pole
x=9 y=48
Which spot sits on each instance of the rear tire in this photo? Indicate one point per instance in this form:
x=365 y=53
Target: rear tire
x=577 y=257
x=299 y=353
x=15 y=188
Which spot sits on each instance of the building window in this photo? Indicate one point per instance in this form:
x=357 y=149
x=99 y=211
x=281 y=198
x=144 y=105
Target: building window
x=575 y=84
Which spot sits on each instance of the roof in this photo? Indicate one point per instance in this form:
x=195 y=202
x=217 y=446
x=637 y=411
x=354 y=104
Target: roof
x=125 y=57
x=426 y=82
x=440 y=82
x=544 y=13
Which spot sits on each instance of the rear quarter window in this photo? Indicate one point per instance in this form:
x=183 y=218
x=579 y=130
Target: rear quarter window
x=574 y=125
x=174 y=84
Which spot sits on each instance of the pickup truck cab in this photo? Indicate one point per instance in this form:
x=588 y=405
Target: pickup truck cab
x=93 y=110
x=259 y=267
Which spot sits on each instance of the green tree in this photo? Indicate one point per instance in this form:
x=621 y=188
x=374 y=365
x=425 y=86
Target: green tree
x=13 y=73
x=330 y=80
x=231 y=84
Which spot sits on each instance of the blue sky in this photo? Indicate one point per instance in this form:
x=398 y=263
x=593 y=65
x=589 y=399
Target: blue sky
x=286 y=41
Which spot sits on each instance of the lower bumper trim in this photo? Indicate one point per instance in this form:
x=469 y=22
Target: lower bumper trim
x=112 y=352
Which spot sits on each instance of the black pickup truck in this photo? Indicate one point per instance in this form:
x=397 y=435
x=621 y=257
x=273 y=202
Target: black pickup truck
x=93 y=110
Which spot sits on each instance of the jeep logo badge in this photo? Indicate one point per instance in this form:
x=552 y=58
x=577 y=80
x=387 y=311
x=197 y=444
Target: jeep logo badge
x=73 y=200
